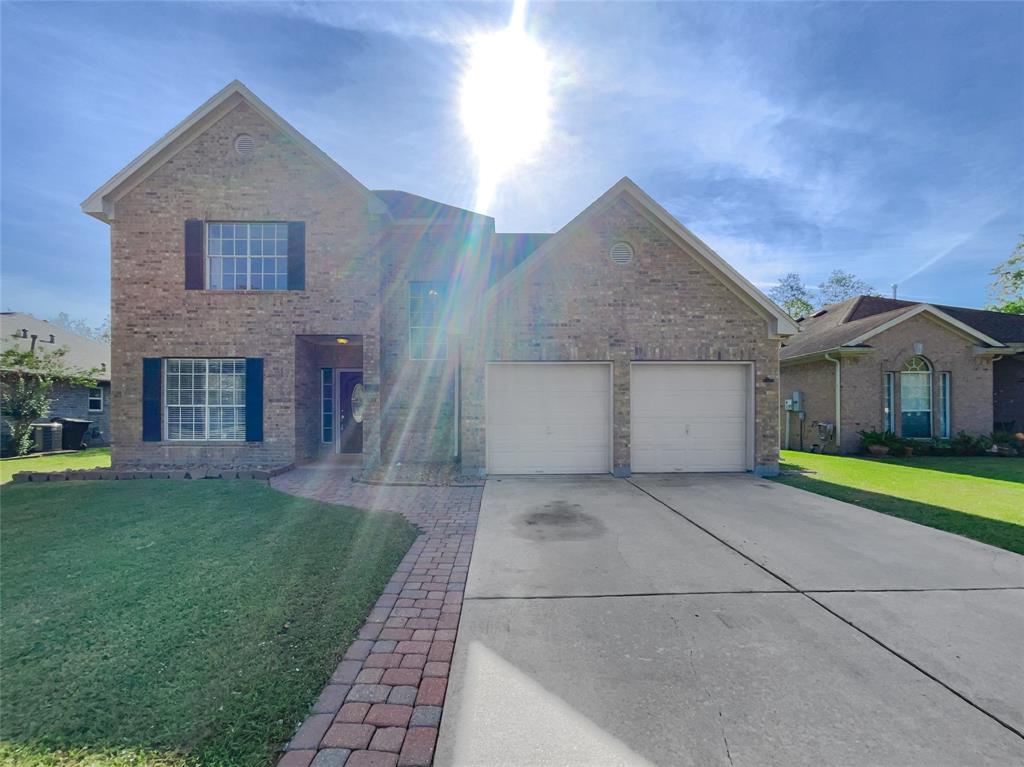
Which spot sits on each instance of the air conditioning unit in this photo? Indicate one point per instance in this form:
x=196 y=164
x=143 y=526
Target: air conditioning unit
x=48 y=437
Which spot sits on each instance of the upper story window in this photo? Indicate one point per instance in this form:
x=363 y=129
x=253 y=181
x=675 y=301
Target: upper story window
x=247 y=256
x=205 y=399
x=428 y=302
x=95 y=399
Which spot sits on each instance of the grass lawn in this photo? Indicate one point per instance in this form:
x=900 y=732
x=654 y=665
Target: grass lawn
x=176 y=623
x=92 y=458
x=980 y=498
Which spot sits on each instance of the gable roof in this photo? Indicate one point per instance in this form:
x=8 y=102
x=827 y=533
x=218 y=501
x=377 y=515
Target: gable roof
x=100 y=203
x=17 y=329
x=782 y=324
x=1006 y=328
x=850 y=324
x=510 y=249
x=406 y=206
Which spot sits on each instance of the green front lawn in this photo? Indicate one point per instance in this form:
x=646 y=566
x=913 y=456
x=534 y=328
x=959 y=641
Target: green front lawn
x=980 y=498
x=92 y=458
x=176 y=623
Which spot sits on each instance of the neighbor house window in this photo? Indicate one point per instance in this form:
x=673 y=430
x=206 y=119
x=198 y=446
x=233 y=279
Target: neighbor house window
x=95 y=399
x=888 y=412
x=944 y=428
x=247 y=256
x=205 y=399
x=327 y=405
x=427 y=303
x=916 y=399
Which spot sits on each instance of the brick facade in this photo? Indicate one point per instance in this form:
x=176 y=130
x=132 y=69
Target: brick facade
x=360 y=259
x=663 y=305
x=863 y=374
x=153 y=315
x=816 y=381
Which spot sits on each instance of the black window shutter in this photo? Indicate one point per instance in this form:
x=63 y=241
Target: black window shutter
x=152 y=430
x=194 y=254
x=296 y=255
x=254 y=399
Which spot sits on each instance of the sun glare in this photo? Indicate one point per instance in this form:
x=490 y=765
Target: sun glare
x=505 y=102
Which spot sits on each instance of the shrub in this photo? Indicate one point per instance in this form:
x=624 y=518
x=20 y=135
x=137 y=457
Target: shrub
x=887 y=438
x=964 y=444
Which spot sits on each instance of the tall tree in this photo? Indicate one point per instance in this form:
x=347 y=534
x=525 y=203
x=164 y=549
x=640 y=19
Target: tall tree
x=841 y=285
x=792 y=295
x=77 y=325
x=1008 y=286
x=27 y=386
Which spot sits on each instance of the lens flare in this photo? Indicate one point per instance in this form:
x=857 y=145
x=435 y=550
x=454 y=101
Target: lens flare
x=505 y=102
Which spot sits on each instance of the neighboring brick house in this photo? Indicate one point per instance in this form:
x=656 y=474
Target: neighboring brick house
x=918 y=370
x=90 y=403
x=267 y=309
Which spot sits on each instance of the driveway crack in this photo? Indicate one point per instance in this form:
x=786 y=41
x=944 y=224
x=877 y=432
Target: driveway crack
x=832 y=612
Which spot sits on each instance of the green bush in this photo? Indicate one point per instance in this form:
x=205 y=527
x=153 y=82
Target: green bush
x=965 y=444
x=887 y=438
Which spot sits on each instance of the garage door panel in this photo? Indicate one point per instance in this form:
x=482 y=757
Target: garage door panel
x=689 y=417
x=548 y=418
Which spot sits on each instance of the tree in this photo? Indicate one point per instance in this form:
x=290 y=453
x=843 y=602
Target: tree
x=77 y=325
x=27 y=383
x=1008 y=287
x=841 y=285
x=792 y=295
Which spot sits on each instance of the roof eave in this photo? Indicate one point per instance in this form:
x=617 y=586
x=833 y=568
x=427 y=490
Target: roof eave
x=842 y=351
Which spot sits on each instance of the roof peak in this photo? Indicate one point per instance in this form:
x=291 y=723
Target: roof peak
x=100 y=203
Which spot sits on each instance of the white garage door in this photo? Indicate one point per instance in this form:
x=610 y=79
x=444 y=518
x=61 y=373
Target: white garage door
x=548 y=418
x=690 y=417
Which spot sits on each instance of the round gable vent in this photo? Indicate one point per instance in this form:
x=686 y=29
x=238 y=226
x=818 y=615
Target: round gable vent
x=245 y=144
x=621 y=253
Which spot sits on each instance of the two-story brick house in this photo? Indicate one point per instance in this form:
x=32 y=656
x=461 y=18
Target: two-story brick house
x=267 y=308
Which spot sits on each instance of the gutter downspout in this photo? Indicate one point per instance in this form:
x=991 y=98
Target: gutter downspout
x=839 y=419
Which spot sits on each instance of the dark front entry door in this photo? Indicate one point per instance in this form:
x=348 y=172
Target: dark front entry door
x=350 y=412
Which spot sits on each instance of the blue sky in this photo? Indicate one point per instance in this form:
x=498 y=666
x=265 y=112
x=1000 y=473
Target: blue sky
x=886 y=139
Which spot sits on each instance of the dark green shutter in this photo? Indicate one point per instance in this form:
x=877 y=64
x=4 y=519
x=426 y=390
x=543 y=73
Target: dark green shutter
x=254 y=399
x=296 y=255
x=152 y=430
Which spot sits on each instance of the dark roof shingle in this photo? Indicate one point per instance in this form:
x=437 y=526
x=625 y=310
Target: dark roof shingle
x=839 y=324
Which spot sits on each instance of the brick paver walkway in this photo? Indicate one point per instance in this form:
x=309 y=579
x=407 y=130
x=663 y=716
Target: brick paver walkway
x=382 y=707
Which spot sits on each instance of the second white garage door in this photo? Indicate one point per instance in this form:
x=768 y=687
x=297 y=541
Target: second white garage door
x=548 y=418
x=690 y=417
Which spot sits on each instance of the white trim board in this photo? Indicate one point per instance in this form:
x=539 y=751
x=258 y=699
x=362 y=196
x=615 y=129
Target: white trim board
x=935 y=313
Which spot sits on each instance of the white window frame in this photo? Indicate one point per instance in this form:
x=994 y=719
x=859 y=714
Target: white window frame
x=326 y=404
x=889 y=402
x=205 y=405
x=945 y=427
x=208 y=258
x=927 y=374
x=438 y=347
x=91 y=398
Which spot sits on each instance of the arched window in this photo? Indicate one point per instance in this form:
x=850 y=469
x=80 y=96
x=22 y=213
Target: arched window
x=916 y=398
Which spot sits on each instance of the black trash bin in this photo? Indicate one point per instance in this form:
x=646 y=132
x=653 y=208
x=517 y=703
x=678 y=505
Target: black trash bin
x=73 y=436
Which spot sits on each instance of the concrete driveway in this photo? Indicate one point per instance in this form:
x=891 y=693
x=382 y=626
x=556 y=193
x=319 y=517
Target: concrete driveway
x=717 y=619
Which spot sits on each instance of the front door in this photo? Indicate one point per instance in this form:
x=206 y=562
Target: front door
x=350 y=412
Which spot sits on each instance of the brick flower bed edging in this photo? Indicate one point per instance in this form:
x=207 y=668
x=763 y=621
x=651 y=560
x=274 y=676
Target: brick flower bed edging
x=382 y=707
x=201 y=472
